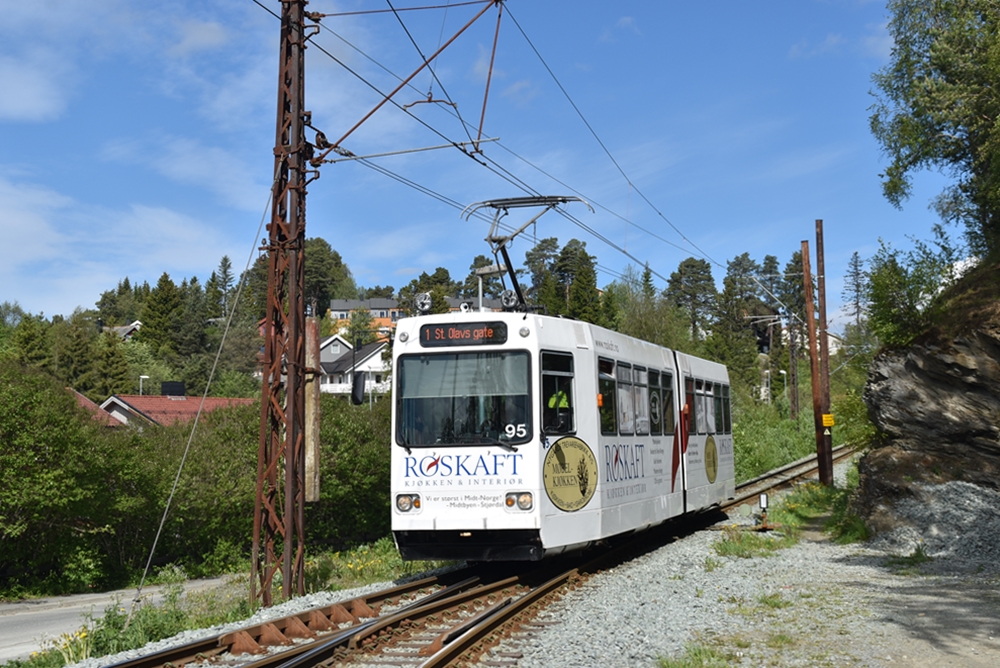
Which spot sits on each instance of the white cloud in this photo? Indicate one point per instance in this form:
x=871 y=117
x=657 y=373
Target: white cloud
x=190 y=162
x=69 y=252
x=156 y=239
x=628 y=23
x=33 y=87
x=198 y=36
x=791 y=166
x=522 y=91
x=878 y=42
x=806 y=49
x=623 y=24
x=25 y=211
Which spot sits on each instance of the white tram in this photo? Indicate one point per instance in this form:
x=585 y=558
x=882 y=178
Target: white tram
x=516 y=436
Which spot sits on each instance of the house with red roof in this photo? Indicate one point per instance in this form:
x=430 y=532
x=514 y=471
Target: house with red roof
x=101 y=416
x=141 y=409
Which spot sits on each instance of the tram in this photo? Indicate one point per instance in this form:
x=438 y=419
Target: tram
x=517 y=435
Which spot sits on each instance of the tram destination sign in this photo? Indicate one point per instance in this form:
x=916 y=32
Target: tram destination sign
x=463 y=334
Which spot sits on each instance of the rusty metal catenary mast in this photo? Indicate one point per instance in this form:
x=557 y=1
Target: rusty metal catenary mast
x=279 y=513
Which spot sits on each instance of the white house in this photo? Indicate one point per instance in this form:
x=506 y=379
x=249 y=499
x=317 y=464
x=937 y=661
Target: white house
x=339 y=361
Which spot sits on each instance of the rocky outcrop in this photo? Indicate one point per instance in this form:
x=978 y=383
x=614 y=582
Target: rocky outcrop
x=937 y=405
x=939 y=395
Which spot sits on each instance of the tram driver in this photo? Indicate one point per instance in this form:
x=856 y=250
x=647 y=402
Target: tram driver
x=558 y=408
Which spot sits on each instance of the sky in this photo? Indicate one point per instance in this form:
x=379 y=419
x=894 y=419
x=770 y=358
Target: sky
x=137 y=138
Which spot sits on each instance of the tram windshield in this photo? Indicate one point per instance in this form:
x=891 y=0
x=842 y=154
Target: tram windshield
x=479 y=398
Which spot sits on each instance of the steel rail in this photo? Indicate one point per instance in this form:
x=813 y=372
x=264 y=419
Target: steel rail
x=454 y=643
x=203 y=650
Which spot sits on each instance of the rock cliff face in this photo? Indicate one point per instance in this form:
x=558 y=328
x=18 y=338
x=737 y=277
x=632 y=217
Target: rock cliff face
x=937 y=404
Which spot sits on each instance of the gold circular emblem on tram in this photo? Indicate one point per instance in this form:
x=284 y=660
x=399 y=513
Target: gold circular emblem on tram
x=711 y=459
x=569 y=474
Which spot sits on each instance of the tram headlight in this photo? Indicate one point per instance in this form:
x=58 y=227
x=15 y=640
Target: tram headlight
x=519 y=500
x=407 y=502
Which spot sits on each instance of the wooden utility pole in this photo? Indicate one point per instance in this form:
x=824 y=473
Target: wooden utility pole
x=825 y=476
x=826 y=418
x=279 y=514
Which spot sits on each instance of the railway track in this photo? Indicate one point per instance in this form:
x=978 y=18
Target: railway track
x=433 y=622
x=424 y=623
x=780 y=478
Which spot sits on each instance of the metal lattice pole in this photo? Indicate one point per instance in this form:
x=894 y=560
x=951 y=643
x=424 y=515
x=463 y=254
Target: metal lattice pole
x=279 y=513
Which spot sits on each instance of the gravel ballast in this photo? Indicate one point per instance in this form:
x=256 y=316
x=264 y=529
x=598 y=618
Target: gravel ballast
x=814 y=604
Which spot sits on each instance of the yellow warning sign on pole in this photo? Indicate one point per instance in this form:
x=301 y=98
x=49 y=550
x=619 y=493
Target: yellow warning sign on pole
x=827 y=419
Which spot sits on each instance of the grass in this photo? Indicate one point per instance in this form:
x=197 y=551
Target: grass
x=910 y=565
x=806 y=505
x=813 y=502
x=378 y=562
x=736 y=542
x=698 y=656
x=121 y=629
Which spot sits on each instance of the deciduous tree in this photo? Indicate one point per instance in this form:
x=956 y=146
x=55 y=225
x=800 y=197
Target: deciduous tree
x=937 y=105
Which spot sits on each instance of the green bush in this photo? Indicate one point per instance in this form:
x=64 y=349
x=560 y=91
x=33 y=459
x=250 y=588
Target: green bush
x=63 y=491
x=764 y=440
x=354 y=476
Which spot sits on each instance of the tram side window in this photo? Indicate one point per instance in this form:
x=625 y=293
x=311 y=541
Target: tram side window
x=557 y=393
x=626 y=409
x=720 y=422
x=726 y=409
x=655 y=407
x=709 y=409
x=667 y=385
x=640 y=393
x=606 y=396
x=689 y=402
x=699 y=399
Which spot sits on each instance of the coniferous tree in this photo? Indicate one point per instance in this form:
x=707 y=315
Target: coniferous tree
x=255 y=290
x=646 y=315
x=791 y=292
x=377 y=292
x=111 y=368
x=213 y=297
x=226 y=285
x=161 y=316
x=438 y=284
x=584 y=300
x=571 y=260
x=733 y=341
x=692 y=289
x=549 y=295
x=855 y=289
x=612 y=299
x=191 y=336
x=30 y=343
x=539 y=262
x=73 y=350
x=769 y=281
x=492 y=285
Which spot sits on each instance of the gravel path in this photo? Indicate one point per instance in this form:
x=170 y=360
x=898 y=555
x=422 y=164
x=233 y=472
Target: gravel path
x=814 y=604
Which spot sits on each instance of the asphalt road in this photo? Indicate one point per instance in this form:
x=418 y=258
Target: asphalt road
x=26 y=625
